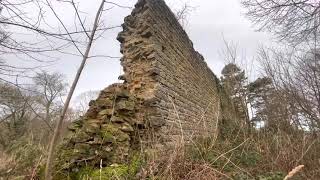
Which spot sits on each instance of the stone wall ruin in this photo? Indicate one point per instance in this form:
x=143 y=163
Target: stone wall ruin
x=168 y=93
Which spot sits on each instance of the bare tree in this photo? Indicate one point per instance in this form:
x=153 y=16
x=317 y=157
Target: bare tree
x=229 y=53
x=52 y=35
x=81 y=102
x=183 y=13
x=14 y=112
x=295 y=21
x=298 y=77
x=294 y=72
x=50 y=88
x=22 y=107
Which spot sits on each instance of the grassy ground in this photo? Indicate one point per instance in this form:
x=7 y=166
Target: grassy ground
x=262 y=155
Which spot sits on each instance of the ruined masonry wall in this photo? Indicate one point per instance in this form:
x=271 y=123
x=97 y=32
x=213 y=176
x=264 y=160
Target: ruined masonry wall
x=168 y=92
x=184 y=90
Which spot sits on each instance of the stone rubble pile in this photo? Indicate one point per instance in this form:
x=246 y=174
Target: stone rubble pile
x=104 y=133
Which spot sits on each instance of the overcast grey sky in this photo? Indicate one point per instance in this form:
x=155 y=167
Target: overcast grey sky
x=209 y=20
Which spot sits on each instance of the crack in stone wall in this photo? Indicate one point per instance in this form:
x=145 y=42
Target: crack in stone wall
x=168 y=92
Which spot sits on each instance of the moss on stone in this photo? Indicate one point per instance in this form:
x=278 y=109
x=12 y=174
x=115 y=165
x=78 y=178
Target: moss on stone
x=82 y=149
x=104 y=133
x=83 y=173
x=135 y=164
x=75 y=125
x=125 y=171
x=117 y=171
x=108 y=137
x=80 y=136
x=112 y=172
x=111 y=133
x=64 y=158
x=92 y=126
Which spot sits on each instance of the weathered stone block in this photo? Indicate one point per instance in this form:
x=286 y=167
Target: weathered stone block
x=80 y=137
x=124 y=104
x=116 y=119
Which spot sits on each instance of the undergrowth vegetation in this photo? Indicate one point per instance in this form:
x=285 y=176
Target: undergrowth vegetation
x=262 y=155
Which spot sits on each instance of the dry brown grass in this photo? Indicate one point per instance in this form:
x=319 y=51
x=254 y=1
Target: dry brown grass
x=175 y=164
x=261 y=155
x=235 y=154
x=7 y=163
